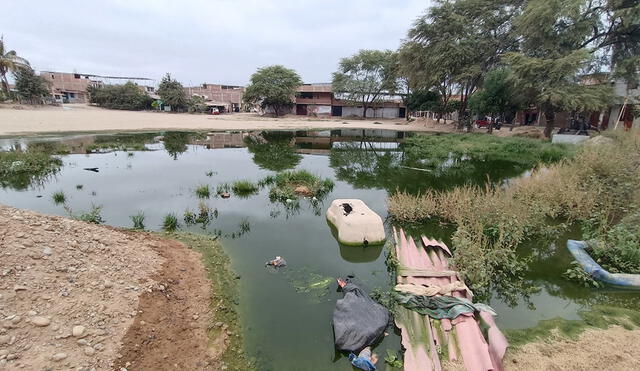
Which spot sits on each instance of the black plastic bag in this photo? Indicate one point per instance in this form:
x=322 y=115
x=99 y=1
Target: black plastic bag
x=358 y=320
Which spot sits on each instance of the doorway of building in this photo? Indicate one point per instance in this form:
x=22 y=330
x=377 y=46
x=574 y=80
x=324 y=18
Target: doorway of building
x=301 y=109
x=336 y=111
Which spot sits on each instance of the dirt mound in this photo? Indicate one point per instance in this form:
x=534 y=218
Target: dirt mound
x=611 y=349
x=70 y=291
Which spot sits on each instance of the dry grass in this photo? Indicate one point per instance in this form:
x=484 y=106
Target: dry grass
x=596 y=188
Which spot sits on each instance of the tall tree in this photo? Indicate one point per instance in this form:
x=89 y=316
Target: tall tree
x=273 y=87
x=499 y=96
x=455 y=43
x=172 y=93
x=9 y=61
x=31 y=87
x=560 y=39
x=366 y=77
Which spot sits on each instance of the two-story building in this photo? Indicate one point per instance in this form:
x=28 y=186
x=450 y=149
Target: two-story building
x=71 y=87
x=227 y=98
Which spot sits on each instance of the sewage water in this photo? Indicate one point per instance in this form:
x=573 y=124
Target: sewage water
x=286 y=314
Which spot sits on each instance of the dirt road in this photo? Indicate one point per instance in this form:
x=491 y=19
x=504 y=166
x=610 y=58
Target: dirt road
x=83 y=118
x=80 y=296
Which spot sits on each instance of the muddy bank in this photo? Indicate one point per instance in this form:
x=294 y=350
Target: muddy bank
x=82 y=296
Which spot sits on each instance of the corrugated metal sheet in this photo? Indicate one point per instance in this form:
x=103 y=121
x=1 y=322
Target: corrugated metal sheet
x=426 y=339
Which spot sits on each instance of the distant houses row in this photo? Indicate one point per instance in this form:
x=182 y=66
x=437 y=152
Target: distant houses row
x=311 y=99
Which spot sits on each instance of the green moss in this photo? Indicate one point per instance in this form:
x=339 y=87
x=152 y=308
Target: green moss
x=224 y=297
x=598 y=317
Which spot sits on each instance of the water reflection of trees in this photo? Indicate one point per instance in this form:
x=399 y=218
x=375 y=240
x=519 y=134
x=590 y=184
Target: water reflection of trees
x=23 y=168
x=364 y=165
x=273 y=150
x=175 y=143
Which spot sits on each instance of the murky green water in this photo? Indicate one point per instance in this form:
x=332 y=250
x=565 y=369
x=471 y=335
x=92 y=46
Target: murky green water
x=286 y=314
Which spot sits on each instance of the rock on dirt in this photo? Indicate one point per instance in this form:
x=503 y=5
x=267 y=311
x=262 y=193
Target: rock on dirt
x=75 y=308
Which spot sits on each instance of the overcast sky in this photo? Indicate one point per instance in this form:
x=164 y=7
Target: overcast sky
x=215 y=41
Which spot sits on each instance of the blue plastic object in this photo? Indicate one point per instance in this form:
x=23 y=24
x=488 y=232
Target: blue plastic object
x=577 y=249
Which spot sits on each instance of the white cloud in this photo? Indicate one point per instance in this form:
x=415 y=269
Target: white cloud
x=221 y=41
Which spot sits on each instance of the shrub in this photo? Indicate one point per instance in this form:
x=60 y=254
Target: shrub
x=91 y=216
x=170 y=223
x=203 y=191
x=138 y=220
x=59 y=197
x=223 y=188
x=244 y=188
x=122 y=97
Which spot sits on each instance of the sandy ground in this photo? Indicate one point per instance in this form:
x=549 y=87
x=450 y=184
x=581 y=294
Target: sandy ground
x=612 y=349
x=79 y=296
x=83 y=118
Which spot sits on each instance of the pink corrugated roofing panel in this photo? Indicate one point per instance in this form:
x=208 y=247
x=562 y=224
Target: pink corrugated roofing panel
x=477 y=355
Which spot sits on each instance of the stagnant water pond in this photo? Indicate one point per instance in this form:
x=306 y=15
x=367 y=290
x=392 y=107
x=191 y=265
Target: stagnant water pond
x=286 y=315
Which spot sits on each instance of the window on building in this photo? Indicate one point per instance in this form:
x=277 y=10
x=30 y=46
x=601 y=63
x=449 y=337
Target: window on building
x=76 y=75
x=305 y=95
x=72 y=95
x=53 y=76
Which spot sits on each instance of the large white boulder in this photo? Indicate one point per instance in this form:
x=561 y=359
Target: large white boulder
x=356 y=223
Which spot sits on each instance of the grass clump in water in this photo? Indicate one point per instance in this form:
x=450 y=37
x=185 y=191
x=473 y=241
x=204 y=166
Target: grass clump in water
x=170 y=223
x=244 y=188
x=596 y=189
x=79 y=187
x=203 y=191
x=19 y=169
x=223 y=188
x=58 y=197
x=288 y=185
x=138 y=220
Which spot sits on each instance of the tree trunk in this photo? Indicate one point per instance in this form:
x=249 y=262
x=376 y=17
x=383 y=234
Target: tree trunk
x=550 y=116
x=5 y=84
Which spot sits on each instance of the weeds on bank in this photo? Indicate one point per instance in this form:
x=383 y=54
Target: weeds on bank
x=597 y=188
x=91 y=216
x=203 y=191
x=170 y=223
x=244 y=188
x=138 y=220
x=58 y=197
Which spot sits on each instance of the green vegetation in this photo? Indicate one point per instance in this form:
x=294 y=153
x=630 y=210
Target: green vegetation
x=499 y=97
x=392 y=359
x=273 y=87
x=91 y=216
x=223 y=188
x=273 y=150
x=434 y=150
x=138 y=220
x=79 y=187
x=196 y=104
x=244 y=188
x=288 y=185
x=9 y=61
x=175 y=142
x=31 y=88
x=578 y=275
x=121 y=142
x=363 y=77
x=205 y=215
x=618 y=249
x=172 y=93
x=599 y=316
x=59 y=197
x=123 y=97
x=224 y=297
x=209 y=174
x=170 y=223
x=19 y=169
x=307 y=281
x=596 y=189
x=203 y=191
